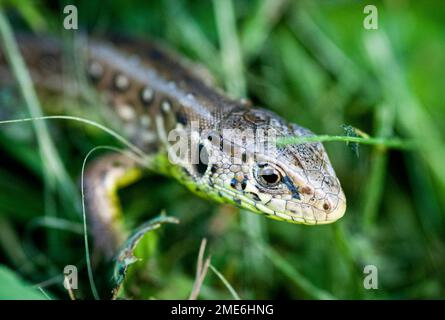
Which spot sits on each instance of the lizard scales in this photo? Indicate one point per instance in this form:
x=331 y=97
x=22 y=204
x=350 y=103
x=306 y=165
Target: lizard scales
x=152 y=92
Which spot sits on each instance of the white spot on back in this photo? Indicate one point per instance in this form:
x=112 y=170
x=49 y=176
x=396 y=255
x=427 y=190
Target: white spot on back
x=126 y=112
x=95 y=70
x=144 y=75
x=161 y=129
x=147 y=95
x=121 y=82
x=166 y=106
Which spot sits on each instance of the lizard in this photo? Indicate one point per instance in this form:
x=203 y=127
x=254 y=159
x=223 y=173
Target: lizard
x=154 y=94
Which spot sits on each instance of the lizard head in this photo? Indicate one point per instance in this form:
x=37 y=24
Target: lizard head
x=240 y=163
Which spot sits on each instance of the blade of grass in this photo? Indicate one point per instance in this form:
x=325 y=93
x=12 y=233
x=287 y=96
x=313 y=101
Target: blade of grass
x=326 y=51
x=44 y=293
x=235 y=83
x=394 y=143
x=307 y=77
x=127 y=256
x=114 y=134
x=202 y=267
x=259 y=25
x=139 y=158
x=231 y=56
x=351 y=255
x=310 y=28
x=30 y=11
x=55 y=177
x=55 y=223
x=84 y=217
x=52 y=163
x=189 y=34
x=23 y=154
x=12 y=247
x=11 y=197
x=296 y=277
x=411 y=117
x=384 y=121
x=225 y=282
x=14 y=287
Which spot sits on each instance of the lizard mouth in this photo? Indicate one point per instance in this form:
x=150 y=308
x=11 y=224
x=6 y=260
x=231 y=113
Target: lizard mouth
x=301 y=213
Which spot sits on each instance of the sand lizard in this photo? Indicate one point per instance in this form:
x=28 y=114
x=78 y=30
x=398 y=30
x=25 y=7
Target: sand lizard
x=152 y=92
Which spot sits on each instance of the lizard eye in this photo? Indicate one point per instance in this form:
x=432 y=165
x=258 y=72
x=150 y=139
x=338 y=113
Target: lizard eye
x=268 y=176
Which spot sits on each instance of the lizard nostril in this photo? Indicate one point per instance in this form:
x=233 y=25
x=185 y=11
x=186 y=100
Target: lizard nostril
x=326 y=206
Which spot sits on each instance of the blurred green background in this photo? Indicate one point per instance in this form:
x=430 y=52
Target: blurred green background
x=312 y=62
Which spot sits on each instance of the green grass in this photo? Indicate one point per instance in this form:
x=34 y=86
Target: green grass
x=312 y=63
x=56 y=175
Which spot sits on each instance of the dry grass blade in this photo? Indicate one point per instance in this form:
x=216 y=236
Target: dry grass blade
x=69 y=289
x=232 y=291
x=201 y=271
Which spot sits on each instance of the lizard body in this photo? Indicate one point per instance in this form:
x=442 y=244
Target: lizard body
x=156 y=95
